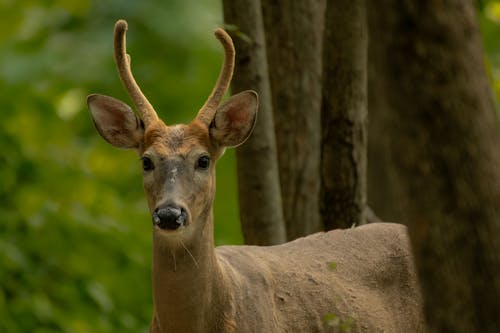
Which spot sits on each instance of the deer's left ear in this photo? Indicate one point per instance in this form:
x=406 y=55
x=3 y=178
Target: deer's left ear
x=234 y=120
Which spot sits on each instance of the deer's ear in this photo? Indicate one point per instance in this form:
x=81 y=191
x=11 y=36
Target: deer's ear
x=115 y=121
x=234 y=120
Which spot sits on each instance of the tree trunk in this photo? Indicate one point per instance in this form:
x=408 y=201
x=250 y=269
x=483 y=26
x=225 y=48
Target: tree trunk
x=294 y=38
x=443 y=145
x=261 y=211
x=343 y=156
x=382 y=191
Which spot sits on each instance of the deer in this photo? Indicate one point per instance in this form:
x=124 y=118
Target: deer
x=363 y=277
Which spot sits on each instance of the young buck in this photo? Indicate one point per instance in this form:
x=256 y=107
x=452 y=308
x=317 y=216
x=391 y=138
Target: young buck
x=361 y=277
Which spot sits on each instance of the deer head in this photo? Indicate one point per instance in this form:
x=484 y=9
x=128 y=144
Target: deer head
x=178 y=161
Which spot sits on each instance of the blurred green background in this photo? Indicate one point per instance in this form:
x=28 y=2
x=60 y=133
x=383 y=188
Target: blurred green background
x=75 y=235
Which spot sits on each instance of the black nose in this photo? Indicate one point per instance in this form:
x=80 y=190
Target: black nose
x=169 y=217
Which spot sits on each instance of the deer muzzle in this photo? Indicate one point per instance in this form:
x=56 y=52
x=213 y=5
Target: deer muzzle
x=170 y=217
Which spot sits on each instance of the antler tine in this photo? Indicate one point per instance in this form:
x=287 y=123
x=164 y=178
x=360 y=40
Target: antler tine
x=122 y=60
x=207 y=111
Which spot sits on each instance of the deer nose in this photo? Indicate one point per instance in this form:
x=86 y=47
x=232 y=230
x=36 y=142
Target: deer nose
x=169 y=217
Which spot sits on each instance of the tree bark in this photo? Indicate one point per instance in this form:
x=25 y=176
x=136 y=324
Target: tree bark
x=294 y=43
x=382 y=191
x=343 y=116
x=443 y=146
x=261 y=211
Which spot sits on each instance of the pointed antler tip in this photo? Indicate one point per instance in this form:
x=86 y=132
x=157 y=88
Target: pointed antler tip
x=206 y=112
x=121 y=26
x=122 y=60
x=226 y=41
x=222 y=35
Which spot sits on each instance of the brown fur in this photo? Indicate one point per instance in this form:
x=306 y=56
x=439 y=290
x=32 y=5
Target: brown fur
x=286 y=288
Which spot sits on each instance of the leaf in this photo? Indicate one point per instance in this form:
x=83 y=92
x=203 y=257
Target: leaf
x=235 y=30
x=100 y=296
x=331 y=319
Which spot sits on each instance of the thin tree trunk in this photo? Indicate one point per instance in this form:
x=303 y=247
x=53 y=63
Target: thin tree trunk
x=381 y=180
x=294 y=42
x=444 y=149
x=343 y=156
x=261 y=211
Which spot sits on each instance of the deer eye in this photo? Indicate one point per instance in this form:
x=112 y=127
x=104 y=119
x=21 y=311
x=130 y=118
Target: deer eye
x=203 y=162
x=147 y=164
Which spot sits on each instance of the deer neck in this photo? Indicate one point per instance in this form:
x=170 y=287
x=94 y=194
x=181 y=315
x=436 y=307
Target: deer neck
x=188 y=288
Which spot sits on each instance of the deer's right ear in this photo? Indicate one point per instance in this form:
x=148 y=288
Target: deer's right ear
x=115 y=121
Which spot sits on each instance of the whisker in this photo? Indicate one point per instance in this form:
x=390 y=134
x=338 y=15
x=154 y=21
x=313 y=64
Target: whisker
x=189 y=252
x=173 y=257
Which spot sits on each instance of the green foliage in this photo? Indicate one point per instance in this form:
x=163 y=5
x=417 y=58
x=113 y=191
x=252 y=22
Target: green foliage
x=332 y=265
x=235 y=31
x=337 y=323
x=75 y=235
x=489 y=20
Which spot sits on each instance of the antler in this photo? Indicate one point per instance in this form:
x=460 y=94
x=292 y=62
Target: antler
x=122 y=60
x=207 y=111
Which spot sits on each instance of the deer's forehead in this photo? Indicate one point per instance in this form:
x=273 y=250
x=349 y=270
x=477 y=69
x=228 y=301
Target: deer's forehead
x=176 y=139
